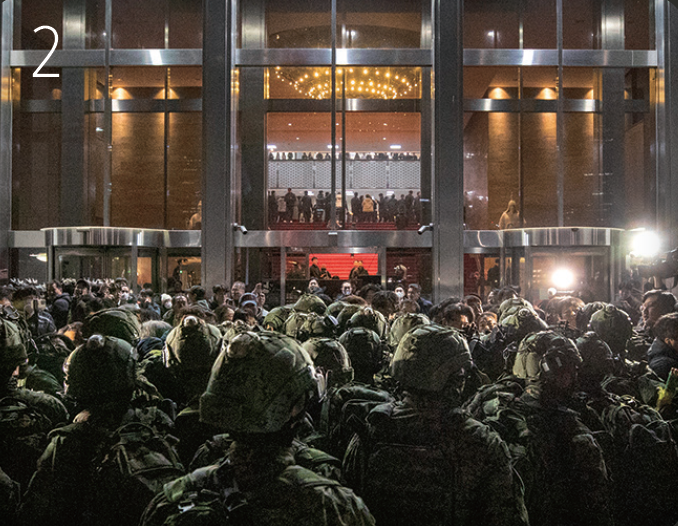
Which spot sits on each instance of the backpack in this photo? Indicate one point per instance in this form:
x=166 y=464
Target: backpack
x=132 y=468
x=406 y=467
x=23 y=438
x=342 y=414
x=200 y=499
x=642 y=457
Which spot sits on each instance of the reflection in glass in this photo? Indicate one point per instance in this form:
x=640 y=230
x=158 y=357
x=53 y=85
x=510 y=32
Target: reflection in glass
x=491 y=167
x=29 y=263
x=95 y=24
x=36 y=170
x=76 y=266
x=539 y=24
x=499 y=24
x=639 y=24
x=137 y=171
x=380 y=24
x=640 y=177
x=138 y=25
x=36 y=13
x=581 y=24
x=539 y=170
x=184 y=156
x=291 y=23
x=491 y=24
x=27 y=87
x=95 y=158
x=583 y=190
x=182 y=273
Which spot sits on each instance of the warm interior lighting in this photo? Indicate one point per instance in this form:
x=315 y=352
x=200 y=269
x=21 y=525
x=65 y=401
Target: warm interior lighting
x=369 y=82
x=120 y=94
x=548 y=94
x=499 y=94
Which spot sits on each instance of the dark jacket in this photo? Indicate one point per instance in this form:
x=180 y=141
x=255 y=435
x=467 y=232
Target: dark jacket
x=424 y=305
x=661 y=358
x=60 y=308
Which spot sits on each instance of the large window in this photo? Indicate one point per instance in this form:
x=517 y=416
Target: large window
x=569 y=144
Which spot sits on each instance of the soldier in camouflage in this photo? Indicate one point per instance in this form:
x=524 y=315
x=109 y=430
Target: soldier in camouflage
x=259 y=388
x=425 y=461
x=27 y=416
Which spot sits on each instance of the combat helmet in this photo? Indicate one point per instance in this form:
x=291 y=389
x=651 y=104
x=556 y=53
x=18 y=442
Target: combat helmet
x=370 y=319
x=366 y=351
x=614 y=326
x=12 y=348
x=230 y=329
x=191 y=346
x=528 y=362
x=402 y=324
x=275 y=319
x=431 y=358
x=584 y=314
x=310 y=303
x=117 y=322
x=521 y=323
x=294 y=324
x=513 y=306
x=329 y=356
x=259 y=382
x=100 y=370
x=315 y=326
x=345 y=315
x=333 y=309
x=597 y=359
x=561 y=356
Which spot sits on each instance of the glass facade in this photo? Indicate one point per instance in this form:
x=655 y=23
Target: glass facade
x=339 y=106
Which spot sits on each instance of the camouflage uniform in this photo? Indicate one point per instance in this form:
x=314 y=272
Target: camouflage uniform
x=66 y=488
x=9 y=498
x=259 y=387
x=271 y=490
x=555 y=453
x=424 y=460
x=469 y=474
x=27 y=415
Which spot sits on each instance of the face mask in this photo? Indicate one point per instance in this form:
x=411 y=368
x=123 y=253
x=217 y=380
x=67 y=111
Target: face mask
x=400 y=294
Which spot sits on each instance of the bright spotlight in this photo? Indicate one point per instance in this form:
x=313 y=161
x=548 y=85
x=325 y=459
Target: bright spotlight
x=563 y=279
x=645 y=244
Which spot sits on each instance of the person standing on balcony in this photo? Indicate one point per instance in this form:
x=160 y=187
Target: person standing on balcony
x=305 y=207
x=290 y=203
x=511 y=217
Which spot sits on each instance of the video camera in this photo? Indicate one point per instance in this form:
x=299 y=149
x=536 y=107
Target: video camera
x=662 y=268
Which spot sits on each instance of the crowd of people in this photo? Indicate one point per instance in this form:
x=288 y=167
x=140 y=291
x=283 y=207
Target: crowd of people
x=373 y=407
x=367 y=208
